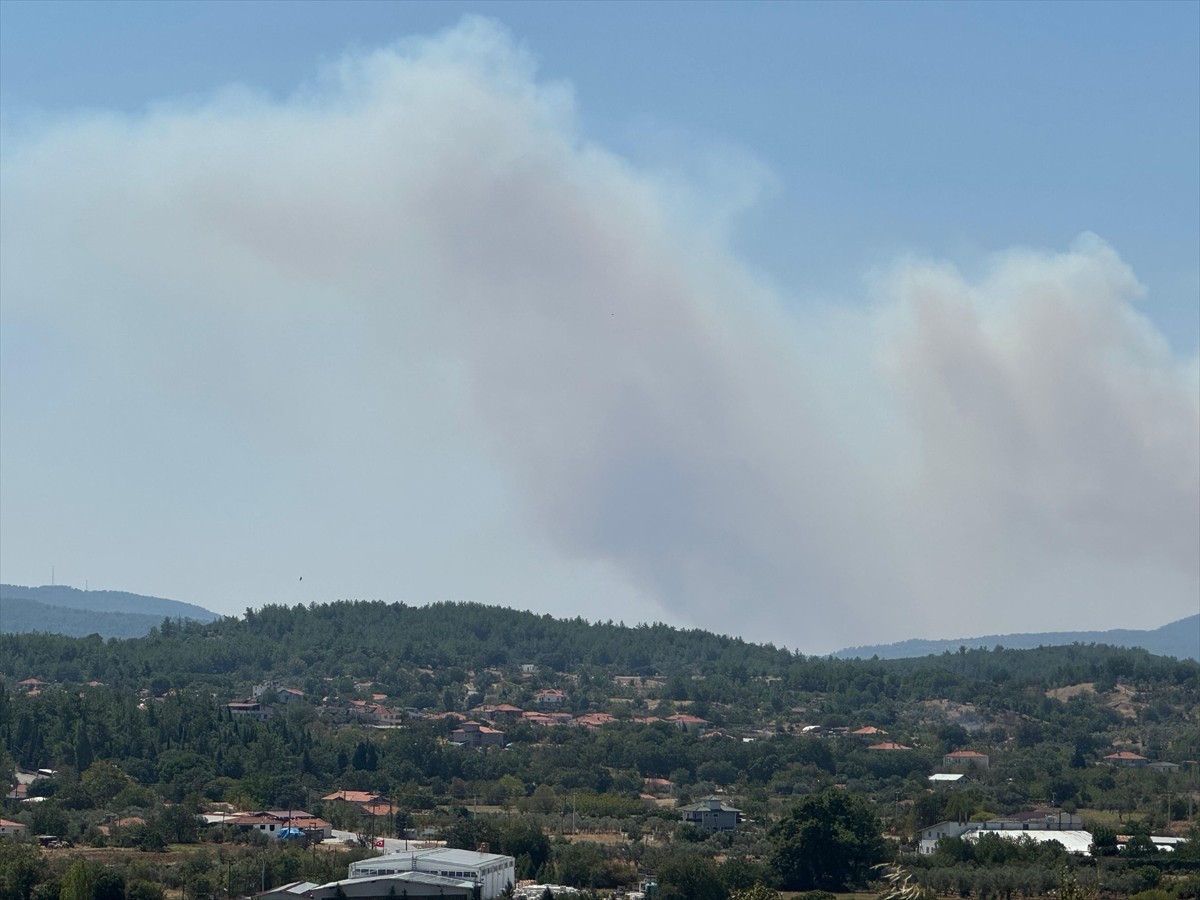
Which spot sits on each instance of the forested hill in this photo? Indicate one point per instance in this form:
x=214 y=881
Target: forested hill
x=20 y=616
x=60 y=609
x=1180 y=639
x=367 y=639
x=387 y=643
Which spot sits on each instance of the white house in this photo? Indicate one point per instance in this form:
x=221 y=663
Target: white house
x=712 y=814
x=551 y=698
x=11 y=829
x=934 y=833
x=274 y=823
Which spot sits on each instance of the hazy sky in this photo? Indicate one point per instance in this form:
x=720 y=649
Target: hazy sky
x=821 y=324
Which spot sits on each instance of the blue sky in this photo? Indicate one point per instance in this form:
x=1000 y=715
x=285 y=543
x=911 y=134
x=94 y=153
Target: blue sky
x=946 y=129
x=836 y=170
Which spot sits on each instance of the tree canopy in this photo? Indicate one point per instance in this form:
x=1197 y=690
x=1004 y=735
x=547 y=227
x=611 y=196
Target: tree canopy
x=828 y=841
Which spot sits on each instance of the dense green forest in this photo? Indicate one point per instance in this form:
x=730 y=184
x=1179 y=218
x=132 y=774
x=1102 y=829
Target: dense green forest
x=139 y=729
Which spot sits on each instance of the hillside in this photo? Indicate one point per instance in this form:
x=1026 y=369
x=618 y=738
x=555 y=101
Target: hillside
x=59 y=609
x=27 y=616
x=1179 y=639
x=623 y=727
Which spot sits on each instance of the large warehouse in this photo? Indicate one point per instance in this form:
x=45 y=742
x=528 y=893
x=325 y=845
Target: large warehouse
x=491 y=871
x=413 y=885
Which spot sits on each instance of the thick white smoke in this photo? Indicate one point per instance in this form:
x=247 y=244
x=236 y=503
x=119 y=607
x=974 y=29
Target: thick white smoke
x=416 y=296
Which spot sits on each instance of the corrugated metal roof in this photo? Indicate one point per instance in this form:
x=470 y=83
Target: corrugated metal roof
x=408 y=877
x=1072 y=841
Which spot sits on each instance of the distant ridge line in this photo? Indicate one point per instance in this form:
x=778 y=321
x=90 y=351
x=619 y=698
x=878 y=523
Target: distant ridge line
x=60 y=609
x=1180 y=639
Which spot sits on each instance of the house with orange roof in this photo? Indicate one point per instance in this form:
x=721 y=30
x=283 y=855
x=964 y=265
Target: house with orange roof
x=889 y=747
x=11 y=829
x=688 y=723
x=352 y=796
x=1127 y=759
x=661 y=787
x=592 y=721
x=551 y=698
x=475 y=734
x=965 y=759
x=499 y=712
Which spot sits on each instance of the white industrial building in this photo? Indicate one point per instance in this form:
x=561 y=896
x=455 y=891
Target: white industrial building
x=414 y=885
x=1027 y=823
x=1072 y=841
x=492 y=872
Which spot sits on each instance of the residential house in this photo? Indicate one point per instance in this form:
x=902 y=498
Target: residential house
x=382 y=716
x=934 y=833
x=359 y=797
x=503 y=712
x=274 y=822
x=1168 y=767
x=379 y=809
x=1126 y=759
x=888 y=747
x=688 y=723
x=658 y=787
x=116 y=823
x=473 y=734
x=249 y=709
x=535 y=718
x=264 y=691
x=592 y=721
x=551 y=698
x=963 y=759
x=712 y=814
x=11 y=829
